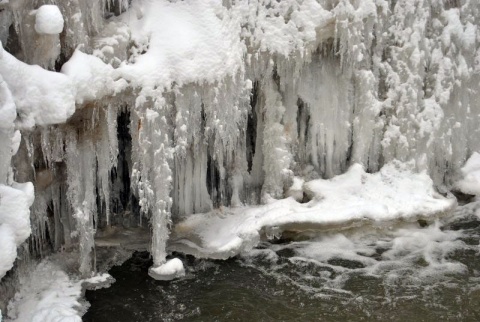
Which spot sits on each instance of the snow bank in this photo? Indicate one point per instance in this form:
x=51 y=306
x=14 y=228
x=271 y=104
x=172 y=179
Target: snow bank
x=470 y=183
x=41 y=97
x=172 y=269
x=394 y=193
x=15 y=228
x=48 y=20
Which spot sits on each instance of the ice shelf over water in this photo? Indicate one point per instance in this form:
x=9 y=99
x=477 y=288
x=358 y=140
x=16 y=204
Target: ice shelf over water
x=351 y=199
x=147 y=114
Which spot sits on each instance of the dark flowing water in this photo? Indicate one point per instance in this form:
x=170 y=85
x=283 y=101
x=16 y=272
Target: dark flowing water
x=410 y=273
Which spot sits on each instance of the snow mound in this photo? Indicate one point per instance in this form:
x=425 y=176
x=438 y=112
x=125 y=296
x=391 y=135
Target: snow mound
x=470 y=183
x=48 y=20
x=350 y=199
x=172 y=269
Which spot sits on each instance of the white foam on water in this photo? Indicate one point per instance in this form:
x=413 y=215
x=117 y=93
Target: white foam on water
x=408 y=256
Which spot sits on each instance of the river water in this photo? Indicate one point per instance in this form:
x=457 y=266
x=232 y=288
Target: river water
x=408 y=272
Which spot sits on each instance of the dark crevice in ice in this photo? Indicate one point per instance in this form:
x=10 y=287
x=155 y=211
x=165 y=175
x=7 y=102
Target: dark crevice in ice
x=214 y=182
x=13 y=45
x=251 y=135
x=125 y=207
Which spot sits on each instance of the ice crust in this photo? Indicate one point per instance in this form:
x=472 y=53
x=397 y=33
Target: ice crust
x=350 y=199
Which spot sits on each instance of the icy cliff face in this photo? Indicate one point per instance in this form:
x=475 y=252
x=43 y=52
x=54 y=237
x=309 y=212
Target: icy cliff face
x=144 y=112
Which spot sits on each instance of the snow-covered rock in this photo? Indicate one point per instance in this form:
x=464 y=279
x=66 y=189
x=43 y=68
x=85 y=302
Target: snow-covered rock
x=48 y=20
x=172 y=269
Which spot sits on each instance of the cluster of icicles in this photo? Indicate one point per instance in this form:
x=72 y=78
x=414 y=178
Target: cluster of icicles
x=318 y=86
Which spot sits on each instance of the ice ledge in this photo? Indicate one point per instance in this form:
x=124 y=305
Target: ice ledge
x=354 y=198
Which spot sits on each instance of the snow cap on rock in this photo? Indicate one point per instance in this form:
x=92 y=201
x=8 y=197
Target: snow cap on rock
x=48 y=20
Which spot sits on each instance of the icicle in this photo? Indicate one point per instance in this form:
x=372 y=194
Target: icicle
x=81 y=182
x=277 y=157
x=161 y=179
x=106 y=154
x=328 y=99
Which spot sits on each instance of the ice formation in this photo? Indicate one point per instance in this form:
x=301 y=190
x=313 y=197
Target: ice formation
x=49 y=294
x=147 y=113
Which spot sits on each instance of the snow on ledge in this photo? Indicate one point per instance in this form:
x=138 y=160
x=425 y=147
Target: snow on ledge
x=172 y=269
x=41 y=97
x=353 y=198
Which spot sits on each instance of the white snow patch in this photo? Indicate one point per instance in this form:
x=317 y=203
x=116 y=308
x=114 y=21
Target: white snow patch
x=48 y=20
x=296 y=190
x=394 y=193
x=470 y=183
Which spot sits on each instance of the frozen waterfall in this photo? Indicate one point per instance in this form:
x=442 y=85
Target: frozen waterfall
x=119 y=114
